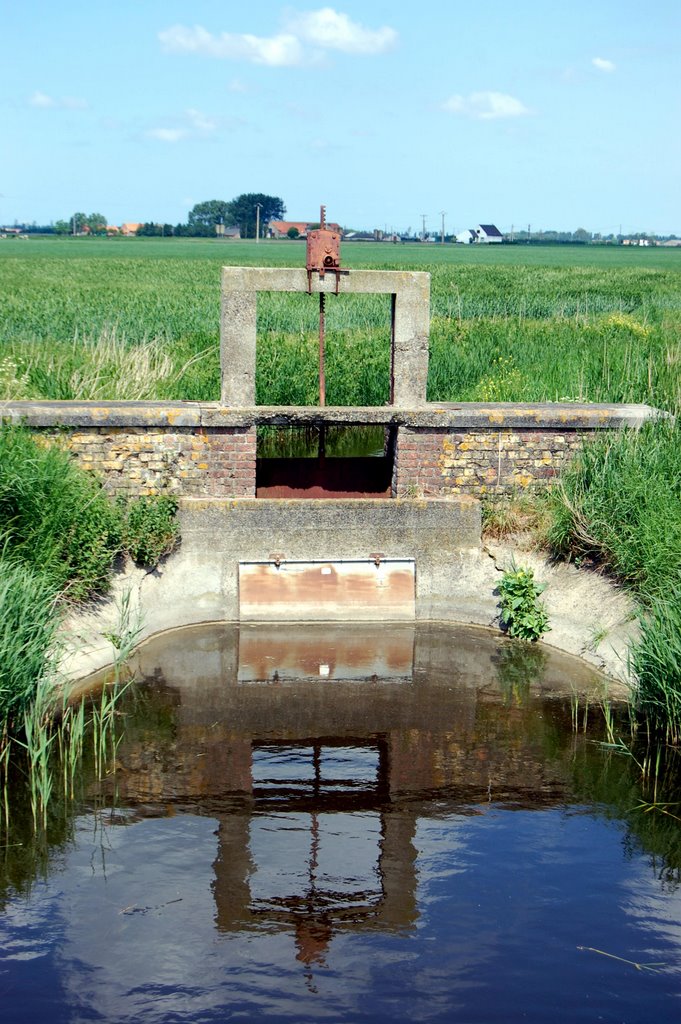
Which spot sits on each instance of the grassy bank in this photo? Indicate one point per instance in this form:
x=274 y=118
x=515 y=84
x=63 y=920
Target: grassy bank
x=59 y=536
x=620 y=505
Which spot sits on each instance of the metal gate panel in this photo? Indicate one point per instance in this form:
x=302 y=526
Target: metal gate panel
x=361 y=590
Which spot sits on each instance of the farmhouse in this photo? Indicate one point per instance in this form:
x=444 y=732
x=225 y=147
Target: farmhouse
x=130 y=229
x=484 y=233
x=488 y=233
x=281 y=228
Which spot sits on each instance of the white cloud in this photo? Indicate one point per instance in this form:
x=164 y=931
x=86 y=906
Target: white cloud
x=237 y=86
x=332 y=30
x=306 y=36
x=45 y=102
x=41 y=99
x=167 y=134
x=276 y=51
x=192 y=124
x=200 y=122
x=602 y=64
x=486 y=106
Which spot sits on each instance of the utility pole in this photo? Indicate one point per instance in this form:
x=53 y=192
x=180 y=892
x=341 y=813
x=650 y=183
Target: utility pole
x=512 y=232
x=442 y=236
x=258 y=207
x=529 y=233
x=423 y=232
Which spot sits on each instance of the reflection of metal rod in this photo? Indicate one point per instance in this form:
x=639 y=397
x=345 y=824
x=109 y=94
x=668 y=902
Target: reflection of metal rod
x=322 y=378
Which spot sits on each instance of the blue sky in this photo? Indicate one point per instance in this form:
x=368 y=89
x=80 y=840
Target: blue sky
x=555 y=115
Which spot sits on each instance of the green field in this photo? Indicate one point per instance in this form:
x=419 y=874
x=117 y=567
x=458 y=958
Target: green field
x=139 y=318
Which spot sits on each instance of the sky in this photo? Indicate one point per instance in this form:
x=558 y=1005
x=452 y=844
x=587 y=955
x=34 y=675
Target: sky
x=554 y=116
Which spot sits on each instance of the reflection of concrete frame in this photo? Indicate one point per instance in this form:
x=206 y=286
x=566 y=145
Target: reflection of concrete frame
x=410 y=324
x=396 y=905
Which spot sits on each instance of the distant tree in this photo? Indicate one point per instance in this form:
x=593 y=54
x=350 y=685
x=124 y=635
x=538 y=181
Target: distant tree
x=582 y=235
x=77 y=222
x=62 y=227
x=96 y=222
x=293 y=232
x=204 y=216
x=241 y=211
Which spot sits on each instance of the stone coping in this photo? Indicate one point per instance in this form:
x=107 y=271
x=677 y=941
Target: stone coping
x=433 y=415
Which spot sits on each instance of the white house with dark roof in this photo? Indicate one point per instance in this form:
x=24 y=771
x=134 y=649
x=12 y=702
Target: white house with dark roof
x=488 y=233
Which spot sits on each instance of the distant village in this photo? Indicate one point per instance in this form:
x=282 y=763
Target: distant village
x=482 y=234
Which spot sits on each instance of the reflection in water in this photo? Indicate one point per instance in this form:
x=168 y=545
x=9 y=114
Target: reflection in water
x=318 y=826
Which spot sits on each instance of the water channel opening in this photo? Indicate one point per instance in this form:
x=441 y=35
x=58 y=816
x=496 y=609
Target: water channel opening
x=325 y=461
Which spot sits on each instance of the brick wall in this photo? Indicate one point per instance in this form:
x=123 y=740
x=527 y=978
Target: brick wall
x=214 y=462
x=209 y=450
x=439 y=461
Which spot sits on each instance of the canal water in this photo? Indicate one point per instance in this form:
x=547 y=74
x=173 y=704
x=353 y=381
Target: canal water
x=413 y=823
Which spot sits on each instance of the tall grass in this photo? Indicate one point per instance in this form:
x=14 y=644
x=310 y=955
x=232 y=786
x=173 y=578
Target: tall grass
x=29 y=620
x=620 y=504
x=107 y=321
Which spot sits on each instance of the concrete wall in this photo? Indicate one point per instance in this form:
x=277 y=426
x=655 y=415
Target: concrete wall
x=217 y=535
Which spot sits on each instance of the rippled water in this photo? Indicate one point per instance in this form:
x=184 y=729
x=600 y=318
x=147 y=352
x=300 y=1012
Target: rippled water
x=351 y=825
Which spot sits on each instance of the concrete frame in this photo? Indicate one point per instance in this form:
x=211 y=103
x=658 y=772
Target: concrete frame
x=410 y=326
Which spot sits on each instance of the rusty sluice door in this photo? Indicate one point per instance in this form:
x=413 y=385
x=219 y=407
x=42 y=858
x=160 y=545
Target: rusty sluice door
x=367 y=590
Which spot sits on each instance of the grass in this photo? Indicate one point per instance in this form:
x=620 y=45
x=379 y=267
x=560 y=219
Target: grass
x=102 y=319
x=59 y=535
x=620 y=505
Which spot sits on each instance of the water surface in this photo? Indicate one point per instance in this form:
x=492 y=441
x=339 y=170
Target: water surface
x=351 y=824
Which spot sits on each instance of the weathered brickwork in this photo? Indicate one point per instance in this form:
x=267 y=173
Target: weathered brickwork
x=440 y=462
x=209 y=450
x=218 y=462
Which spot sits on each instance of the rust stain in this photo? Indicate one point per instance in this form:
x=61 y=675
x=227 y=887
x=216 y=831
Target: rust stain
x=326 y=591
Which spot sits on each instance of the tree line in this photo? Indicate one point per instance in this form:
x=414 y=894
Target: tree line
x=205 y=220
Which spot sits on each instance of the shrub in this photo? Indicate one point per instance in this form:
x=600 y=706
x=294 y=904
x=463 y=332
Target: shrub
x=150 y=528
x=522 y=614
x=55 y=517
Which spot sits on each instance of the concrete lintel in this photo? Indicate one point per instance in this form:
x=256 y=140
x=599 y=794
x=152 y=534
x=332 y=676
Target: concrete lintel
x=294 y=279
x=102 y=414
x=447 y=416
x=411 y=326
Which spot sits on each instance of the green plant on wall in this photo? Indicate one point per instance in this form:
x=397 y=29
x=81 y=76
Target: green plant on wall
x=522 y=613
x=151 y=529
